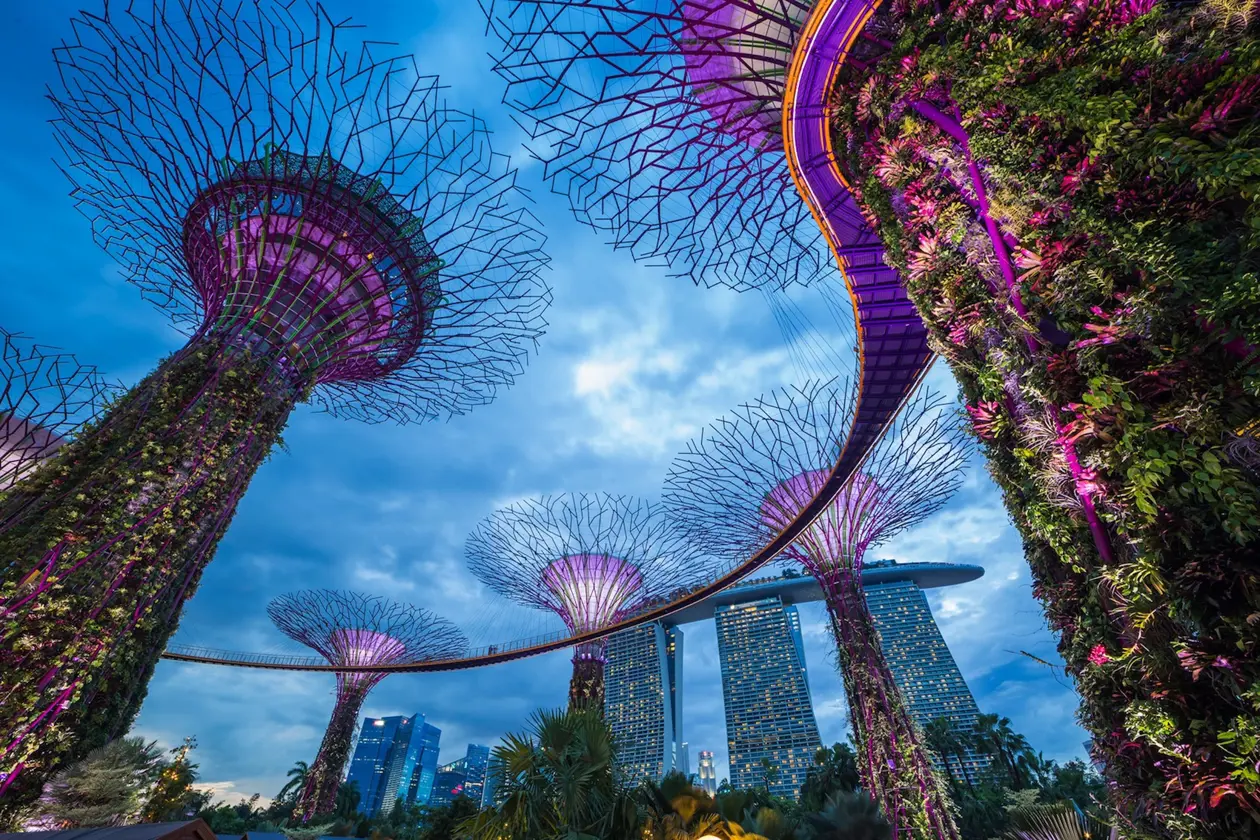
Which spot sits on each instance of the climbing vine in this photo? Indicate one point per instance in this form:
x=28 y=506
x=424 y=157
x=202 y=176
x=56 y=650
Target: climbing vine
x=1069 y=190
x=102 y=545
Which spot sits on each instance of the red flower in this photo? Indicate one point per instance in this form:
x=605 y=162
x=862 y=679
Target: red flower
x=1098 y=656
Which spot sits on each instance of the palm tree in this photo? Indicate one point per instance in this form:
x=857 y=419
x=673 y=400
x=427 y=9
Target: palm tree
x=835 y=771
x=995 y=736
x=848 y=816
x=558 y=781
x=297 y=780
x=1060 y=821
x=678 y=810
x=946 y=741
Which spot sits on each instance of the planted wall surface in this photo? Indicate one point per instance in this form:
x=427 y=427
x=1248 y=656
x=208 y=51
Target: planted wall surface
x=103 y=544
x=1069 y=191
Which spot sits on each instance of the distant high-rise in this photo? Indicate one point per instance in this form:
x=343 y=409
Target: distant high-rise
x=643 y=699
x=921 y=663
x=476 y=759
x=684 y=759
x=708 y=772
x=450 y=781
x=385 y=762
x=770 y=725
x=422 y=780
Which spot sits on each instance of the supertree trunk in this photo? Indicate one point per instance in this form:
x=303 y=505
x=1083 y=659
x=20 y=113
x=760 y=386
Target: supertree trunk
x=319 y=794
x=1073 y=230
x=586 y=687
x=893 y=763
x=102 y=547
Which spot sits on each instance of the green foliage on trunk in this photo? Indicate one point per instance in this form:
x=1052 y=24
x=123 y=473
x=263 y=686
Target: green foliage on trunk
x=1117 y=146
x=102 y=546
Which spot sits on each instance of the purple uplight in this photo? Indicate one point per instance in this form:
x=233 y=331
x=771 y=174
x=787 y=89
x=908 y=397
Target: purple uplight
x=299 y=257
x=591 y=589
x=356 y=648
x=837 y=539
x=24 y=445
x=736 y=53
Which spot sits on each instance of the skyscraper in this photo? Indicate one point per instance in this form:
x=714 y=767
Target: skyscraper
x=643 y=699
x=450 y=781
x=385 y=761
x=921 y=663
x=770 y=725
x=684 y=759
x=708 y=772
x=477 y=759
x=422 y=780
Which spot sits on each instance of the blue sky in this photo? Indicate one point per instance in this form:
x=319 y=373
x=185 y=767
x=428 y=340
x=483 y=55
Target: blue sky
x=633 y=364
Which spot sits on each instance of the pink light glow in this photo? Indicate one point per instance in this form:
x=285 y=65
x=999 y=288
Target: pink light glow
x=24 y=445
x=314 y=269
x=736 y=53
x=365 y=647
x=591 y=588
x=841 y=533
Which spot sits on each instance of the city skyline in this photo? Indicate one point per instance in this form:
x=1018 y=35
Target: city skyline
x=630 y=365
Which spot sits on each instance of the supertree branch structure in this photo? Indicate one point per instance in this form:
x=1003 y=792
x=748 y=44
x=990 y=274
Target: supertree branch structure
x=590 y=559
x=752 y=472
x=1092 y=288
x=328 y=230
x=355 y=630
x=45 y=396
x=660 y=121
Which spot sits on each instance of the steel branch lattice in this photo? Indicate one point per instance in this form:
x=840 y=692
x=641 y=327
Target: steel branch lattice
x=45 y=396
x=659 y=120
x=751 y=472
x=257 y=169
x=589 y=558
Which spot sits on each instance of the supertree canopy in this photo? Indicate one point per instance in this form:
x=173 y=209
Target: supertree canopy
x=44 y=397
x=754 y=471
x=328 y=230
x=355 y=630
x=659 y=120
x=591 y=559
x=1060 y=185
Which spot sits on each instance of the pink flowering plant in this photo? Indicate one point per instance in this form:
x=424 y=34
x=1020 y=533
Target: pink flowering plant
x=1087 y=259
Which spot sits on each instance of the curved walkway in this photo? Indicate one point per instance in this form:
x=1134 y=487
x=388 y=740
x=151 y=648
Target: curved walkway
x=893 y=355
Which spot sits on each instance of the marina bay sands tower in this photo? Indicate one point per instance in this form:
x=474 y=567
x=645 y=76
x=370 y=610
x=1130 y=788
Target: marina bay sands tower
x=760 y=649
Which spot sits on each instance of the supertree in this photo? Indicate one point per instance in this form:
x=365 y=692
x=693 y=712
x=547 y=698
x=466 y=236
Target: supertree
x=659 y=120
x=592 y=559
x=45 y=396
x=355 y=630
x=328 y=230
x=754 y=471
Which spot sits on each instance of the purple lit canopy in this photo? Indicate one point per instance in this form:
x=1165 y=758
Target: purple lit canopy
x=751 y=472
x=276 y=183
x=588 y=558
x=356 y=630
x=44 y=396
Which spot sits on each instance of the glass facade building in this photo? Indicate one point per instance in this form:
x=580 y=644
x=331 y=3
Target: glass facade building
x=771 y=731
x=708 y=772
x=477 y=760
x=426 y=768
x=643 y=699
x=921 y=663
x=450 y=781
x=386 y=757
